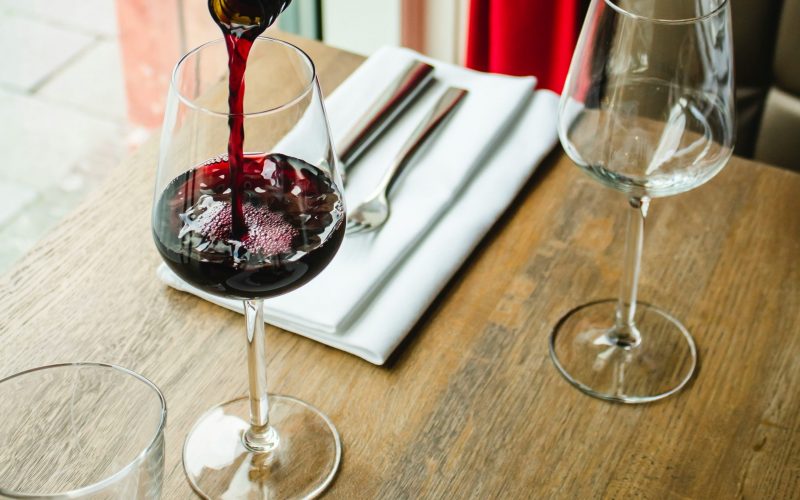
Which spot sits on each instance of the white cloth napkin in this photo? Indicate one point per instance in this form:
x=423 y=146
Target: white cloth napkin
x=380 y=283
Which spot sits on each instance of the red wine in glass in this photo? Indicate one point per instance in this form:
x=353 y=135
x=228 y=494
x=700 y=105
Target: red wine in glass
x=292 y=212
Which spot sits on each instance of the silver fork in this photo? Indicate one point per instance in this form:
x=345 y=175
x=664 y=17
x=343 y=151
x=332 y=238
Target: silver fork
x=373 y=212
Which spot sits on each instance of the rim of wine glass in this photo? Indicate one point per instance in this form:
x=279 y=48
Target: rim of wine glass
x=711 y=13
x=301 y=94
x=113 y=478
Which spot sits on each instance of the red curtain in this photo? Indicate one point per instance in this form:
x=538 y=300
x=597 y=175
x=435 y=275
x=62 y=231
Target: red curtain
x=523 y=37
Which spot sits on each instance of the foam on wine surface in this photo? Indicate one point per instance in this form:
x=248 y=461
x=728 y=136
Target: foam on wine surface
x=293 y=211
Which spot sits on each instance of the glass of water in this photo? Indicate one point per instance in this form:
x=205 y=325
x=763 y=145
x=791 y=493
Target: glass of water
x=82 y=430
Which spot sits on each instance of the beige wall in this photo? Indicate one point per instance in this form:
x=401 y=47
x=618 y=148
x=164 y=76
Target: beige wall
x=361 y=26
x=445 y=29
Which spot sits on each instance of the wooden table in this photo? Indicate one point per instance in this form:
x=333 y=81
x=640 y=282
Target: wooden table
x=470 y=405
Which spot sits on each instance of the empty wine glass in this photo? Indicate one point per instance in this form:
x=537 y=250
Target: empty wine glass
x=286 y=193
x=647 y=109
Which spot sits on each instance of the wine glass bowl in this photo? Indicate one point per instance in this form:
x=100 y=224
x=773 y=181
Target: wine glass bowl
x=648 y=110
x=249 y=206
x=647 y=156
x=648 y=103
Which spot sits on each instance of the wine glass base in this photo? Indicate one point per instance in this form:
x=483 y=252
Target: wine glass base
x=302 y=464
x=584 y=350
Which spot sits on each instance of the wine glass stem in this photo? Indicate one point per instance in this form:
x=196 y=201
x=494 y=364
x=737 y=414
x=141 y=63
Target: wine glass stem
x=625 y=332
x=260 y=436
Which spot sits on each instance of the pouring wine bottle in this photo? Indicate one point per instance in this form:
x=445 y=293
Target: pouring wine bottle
x=241 y=21
x=246 y=18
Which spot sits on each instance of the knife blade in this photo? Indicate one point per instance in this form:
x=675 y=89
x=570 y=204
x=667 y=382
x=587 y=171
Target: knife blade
x=389 y=106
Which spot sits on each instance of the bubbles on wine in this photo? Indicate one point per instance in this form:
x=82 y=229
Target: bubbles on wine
x=294 y=219
x=290 y=207
x=210 y=221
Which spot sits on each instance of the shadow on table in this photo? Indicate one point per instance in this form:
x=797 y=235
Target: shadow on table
x=409 y=343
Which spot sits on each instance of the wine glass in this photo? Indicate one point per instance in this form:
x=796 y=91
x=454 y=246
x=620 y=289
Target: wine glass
x=288 y=192
x=647 y=109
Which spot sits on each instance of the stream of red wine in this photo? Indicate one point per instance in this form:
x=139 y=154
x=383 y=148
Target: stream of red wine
x=238 y=50
x=239 y=40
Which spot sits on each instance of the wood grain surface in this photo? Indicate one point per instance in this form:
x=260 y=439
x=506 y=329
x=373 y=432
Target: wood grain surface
x=470 y=405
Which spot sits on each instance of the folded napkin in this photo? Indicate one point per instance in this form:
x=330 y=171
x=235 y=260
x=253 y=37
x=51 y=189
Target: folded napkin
x=380 y=283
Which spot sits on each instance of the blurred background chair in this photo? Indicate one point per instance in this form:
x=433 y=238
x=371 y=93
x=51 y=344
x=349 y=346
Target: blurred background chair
x=767 y=42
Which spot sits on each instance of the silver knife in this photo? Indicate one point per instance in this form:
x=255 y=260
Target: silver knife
x=397 y=97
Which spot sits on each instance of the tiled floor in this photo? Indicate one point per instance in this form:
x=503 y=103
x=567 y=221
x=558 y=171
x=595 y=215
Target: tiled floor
x=62 y=109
